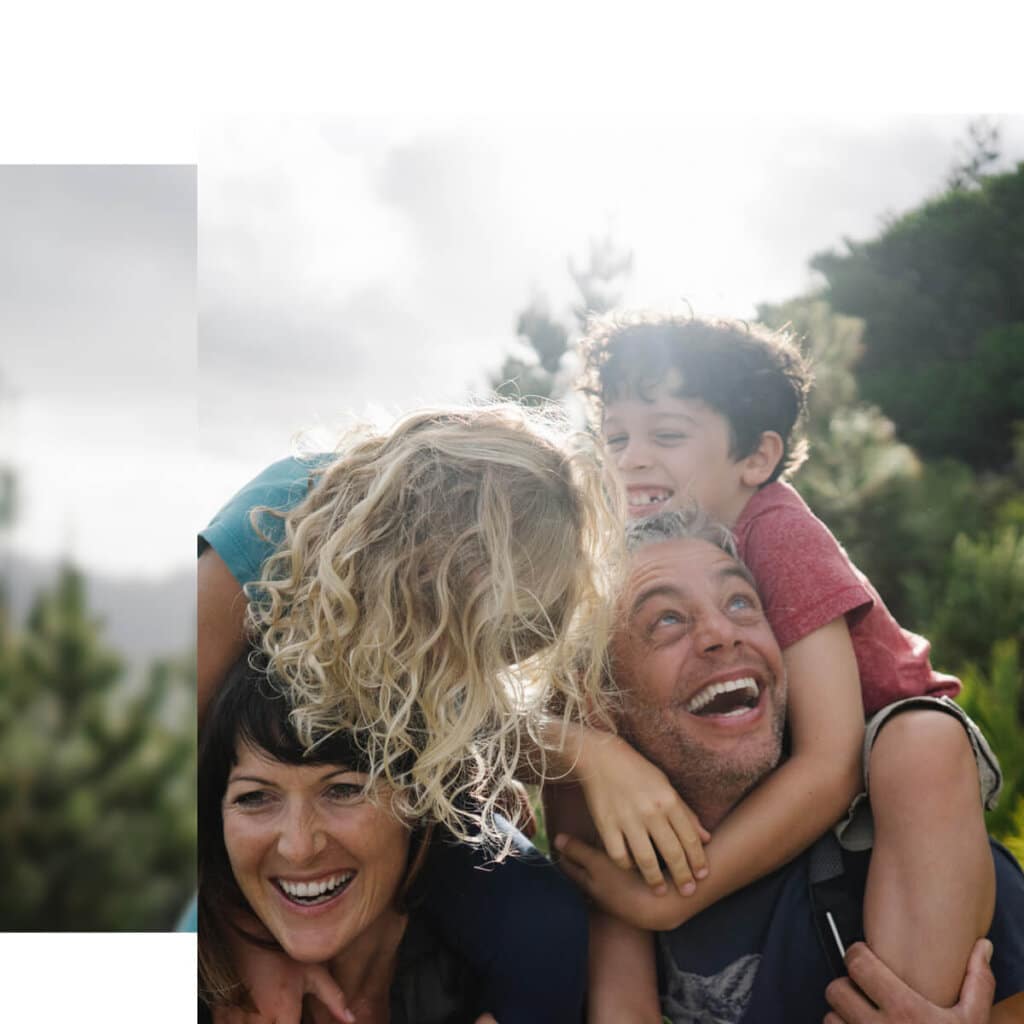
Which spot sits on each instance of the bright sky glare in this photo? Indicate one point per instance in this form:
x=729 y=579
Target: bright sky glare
x=363 y=266
x=355 y=264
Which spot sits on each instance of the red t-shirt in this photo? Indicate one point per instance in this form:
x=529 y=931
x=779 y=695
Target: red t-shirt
x=806 y=580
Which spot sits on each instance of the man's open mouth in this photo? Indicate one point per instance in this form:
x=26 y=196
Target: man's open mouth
x=725 y=699
x=309 y=894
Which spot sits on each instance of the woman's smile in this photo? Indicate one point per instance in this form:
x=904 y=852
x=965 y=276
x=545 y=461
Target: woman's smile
x=318 y=861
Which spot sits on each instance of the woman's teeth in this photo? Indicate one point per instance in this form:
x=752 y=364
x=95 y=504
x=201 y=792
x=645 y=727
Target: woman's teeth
x=315 y=892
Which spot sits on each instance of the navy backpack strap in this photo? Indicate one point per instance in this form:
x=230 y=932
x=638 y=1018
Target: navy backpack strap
x=835 y=901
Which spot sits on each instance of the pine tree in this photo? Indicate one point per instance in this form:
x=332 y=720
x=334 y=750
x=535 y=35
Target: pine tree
x=97 y=821
x=543 y=372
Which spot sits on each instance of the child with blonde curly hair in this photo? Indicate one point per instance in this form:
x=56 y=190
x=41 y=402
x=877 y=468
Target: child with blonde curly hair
x=442 y=590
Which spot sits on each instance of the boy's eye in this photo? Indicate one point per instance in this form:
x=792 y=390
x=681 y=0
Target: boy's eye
x=669 y=437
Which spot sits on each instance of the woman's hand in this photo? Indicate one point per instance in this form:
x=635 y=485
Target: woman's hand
x=622 y=893
x=636 y=810
x=277 y=986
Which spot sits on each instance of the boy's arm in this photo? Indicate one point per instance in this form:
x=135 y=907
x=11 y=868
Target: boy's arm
x=786 y=813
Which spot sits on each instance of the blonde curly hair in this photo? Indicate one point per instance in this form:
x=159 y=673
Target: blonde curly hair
x=442 y=591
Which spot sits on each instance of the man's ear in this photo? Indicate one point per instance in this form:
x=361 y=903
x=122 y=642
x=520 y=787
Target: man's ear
x=759 y=465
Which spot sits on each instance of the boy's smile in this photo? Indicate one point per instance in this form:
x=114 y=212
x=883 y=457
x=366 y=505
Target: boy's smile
x=670 y=452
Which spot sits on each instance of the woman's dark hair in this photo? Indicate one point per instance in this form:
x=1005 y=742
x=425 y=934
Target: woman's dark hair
x=250 y=708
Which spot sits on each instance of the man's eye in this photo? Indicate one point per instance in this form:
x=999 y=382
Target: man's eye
x=742 y=602
x=667 y=619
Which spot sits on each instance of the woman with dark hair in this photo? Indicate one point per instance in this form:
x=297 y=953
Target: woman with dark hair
x=301 y=851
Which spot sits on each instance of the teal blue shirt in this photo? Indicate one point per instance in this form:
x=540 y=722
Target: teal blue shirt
x=281 y=486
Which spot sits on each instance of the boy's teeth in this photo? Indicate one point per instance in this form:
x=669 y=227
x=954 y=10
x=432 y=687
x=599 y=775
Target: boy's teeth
x=647 y=499
x=309 y=890
x=709 y=693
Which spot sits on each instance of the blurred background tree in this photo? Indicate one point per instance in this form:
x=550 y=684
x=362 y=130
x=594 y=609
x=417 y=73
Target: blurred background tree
x=97 y=774
x=544 y=368
x=941 y=297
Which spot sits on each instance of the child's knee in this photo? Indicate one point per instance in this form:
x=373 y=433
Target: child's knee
x=919 y=754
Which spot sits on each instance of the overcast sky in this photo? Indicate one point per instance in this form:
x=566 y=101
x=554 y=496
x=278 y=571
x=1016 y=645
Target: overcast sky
x=354 y=266
x=98 y=363
x=349 y=265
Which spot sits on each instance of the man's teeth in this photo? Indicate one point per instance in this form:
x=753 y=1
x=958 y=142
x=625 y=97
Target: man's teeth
x=311 y=890
x=709 y=693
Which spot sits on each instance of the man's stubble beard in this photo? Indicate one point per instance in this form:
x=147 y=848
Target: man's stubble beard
x=709 y=782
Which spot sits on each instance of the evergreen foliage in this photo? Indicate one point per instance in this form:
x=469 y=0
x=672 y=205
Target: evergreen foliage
x=97 y=781
x=941 y=296
x=542 y=372
x=990 y=698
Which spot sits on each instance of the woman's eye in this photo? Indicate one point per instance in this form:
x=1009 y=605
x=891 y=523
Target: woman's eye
x=616 y=442
x=253 y=799
x=669 y=437
x=345 y=792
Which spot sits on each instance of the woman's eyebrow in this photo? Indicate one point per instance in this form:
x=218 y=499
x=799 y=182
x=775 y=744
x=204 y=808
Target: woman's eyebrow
x=249 y=778
x=340 y=771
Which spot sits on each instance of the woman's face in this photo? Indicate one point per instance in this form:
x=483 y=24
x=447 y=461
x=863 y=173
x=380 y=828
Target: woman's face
x=318 y=864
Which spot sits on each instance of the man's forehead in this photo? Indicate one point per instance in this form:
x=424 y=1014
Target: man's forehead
x=690 y=566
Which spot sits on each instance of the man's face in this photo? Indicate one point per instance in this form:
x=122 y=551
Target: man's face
x=669 y=452
x=702 y=674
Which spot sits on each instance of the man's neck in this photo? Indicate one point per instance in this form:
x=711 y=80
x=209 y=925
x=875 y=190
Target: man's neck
x=712 y=812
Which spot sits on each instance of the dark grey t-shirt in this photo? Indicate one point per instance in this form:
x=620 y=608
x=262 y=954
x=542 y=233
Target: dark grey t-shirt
x=755 y=957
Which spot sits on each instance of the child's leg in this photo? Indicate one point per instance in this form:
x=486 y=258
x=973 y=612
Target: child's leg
x=520 y=924
x=623 y=983
x=931 y=885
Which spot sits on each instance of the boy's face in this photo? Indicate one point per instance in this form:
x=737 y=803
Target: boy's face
x=671 y=451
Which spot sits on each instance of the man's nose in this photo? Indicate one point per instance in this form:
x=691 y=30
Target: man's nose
x=717 y=632
x=301 y=837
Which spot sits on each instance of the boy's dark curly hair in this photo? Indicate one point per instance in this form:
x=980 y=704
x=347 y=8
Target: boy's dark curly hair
x=754 y=377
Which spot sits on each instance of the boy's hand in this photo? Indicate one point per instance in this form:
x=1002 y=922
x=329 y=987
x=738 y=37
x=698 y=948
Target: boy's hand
x=619 y=892
x=879 y=996
x=636 y=809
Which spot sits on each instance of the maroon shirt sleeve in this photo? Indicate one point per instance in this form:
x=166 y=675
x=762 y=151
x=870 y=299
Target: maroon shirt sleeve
x=804 y=577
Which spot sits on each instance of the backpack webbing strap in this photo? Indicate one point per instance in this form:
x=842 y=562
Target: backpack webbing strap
x=833 y=894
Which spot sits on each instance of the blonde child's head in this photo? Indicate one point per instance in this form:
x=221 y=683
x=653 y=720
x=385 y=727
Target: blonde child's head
x=444 y=585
